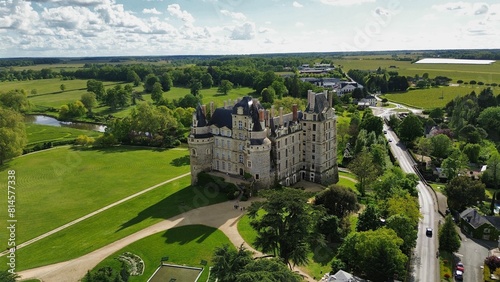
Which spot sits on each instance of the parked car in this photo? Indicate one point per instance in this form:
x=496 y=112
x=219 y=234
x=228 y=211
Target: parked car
x=460 y=266
x=428 y=232
x=459 y=275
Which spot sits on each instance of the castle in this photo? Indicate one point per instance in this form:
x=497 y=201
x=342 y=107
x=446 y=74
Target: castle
x=245 y=139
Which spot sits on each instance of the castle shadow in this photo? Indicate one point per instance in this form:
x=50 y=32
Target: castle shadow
x=186 y=234
x=182 y=161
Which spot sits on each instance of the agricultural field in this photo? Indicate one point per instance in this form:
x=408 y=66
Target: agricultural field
x=62 y=184
x=485 y=73
x=38 y=133
x=433 y=97
x=186 y=245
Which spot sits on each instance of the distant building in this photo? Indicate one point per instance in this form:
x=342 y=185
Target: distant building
x=480 y=226
x=271 y=146
x=343 y=276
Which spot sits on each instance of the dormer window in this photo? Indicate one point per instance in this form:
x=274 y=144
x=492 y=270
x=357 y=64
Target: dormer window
x=240 y=124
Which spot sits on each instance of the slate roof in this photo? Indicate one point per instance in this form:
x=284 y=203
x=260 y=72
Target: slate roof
x=342 y=276
x=320 y=103
x=476 y=220
x=200 y=116
x=222 y=117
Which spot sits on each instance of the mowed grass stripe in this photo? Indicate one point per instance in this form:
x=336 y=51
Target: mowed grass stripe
x=57 y=186
x=116 y=223
x=433 y=97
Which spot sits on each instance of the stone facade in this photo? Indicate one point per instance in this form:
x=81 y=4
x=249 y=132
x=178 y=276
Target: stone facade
x=272 y=147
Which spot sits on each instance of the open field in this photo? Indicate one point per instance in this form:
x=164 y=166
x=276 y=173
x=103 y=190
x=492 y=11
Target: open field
x=186 y=245
x=38 y=133
x=118 y=222
x=59 y=185
x=484 y=73
x=431 y=98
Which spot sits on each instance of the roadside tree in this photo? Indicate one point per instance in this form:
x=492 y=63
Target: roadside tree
x=12 y=134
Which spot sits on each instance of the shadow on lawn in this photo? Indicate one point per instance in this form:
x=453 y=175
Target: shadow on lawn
x=119 y=149
x=185 y=234
x=180 y=202
x=182 y=161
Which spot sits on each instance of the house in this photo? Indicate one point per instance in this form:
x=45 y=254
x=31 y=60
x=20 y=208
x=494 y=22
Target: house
x=343 y=276
x=369 y=101
x=479 y=226
x=244 y=139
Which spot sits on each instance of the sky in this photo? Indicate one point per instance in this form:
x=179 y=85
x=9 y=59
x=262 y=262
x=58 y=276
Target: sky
x=83 y=28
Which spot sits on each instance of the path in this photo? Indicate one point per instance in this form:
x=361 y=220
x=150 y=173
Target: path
x=222 y=216
x=29 y=242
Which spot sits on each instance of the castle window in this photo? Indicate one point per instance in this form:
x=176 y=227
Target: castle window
x=229 y=156
x=217 y=165
x=314 y=127
x=240 y=136
x=240 y=124
x=241 y=147
x=257 y=176
x=313 y=148
x=228 y=143
x=223 y=165
x=314 y=137
x=286 y=141
x=314 y=117
x=229 y=167
x=241 y=158
x=313 y=157
x=193 y=152
x=293 y=139
x=216 y=142
x=249 y=164
x=223 y=156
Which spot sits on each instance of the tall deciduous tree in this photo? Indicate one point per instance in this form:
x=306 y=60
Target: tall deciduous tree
x=89 y=101
x=369 y=219
x=441 y=145
x=489 y=120
x=157 y=92
x=149 y=81
x=286 y=226
x=493 y=168
x=228 y=262
x=424 y=146
x=132 y=76
x=364 y=169
x=267 y=270
x=195 y=87
x=96 y=87
x=463 y=192
x=449 y=241
x=16 y=100
x=12 y=134
x=337 y=200
x=225 y=86
x=410 y=128
x=405 y=229
x=166 y=82
x=268 y=95
x=455 y=164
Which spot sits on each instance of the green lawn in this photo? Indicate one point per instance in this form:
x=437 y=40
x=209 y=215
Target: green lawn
x=38 y=133
x=347 y=182
x=59 y=185
x=431 y=98
x=118 y=222
x=186 y=245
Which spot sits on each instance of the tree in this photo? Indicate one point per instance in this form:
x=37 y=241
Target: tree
x=62 y=87
x=84 y=140
x=157 y=93
x=372 y=123
x=463 y=192
x=166 y=82
x=224 y=87
x=267 y=270
x=228 y=262
x=437 y=114
x=449 y=240
x=16 y=100
x=410 y=208
x=424 y=145
x=286 y=226
x=369 y=219
x=472 y=152
x=493 y=168
x=329 y=226
x=441 y=145
x=117 y=97
x=374 y=253
x=6 y=276
x=455 y=164
x=72 y=110
x=395 y=182
x=364 y=169
x=132 y=76
x=405 y=229
x=489 y=120
x=337 y=200
x=12 y=134
x=89 y=101
x=149 y=81
x=195 y=87
x=96 y=87
x=410 y=128
x=206 y=80
x=280 y=88
x=268 y=95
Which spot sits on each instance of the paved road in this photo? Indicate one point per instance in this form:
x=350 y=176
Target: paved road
x=425 y=266
x=472 y=254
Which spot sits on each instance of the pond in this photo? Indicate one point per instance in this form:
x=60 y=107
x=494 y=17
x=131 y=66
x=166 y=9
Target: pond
x=46 y=120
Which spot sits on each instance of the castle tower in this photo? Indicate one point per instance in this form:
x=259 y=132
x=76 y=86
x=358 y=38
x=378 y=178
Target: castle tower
x=200 y=143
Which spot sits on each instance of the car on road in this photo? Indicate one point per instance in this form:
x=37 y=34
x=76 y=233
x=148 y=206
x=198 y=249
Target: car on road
x=390 y=140
x=428 y=232
x=460 y=266
x=459 y=275
x=385 y=131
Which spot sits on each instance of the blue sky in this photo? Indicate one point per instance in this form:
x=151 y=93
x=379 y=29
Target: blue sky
x=155 y=27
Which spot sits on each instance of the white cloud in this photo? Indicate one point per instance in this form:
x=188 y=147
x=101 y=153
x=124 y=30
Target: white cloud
x=19 y=15
x=151 y=11
x=463 y=8
x=175 y=10
x=299 y=24
x=233 y=15
x=297 y=4
x=345 y=2
x=245 y=31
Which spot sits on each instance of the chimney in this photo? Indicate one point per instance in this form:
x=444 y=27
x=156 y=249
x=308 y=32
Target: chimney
x=295 y=114
x=204 y=110
x=281 y=116
x=268 y=118
x=311 y=99
x=272 y=111
x=330 y=99
x=262 y=118
x=225 y=104
x=211 y=108
x=229 y=102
